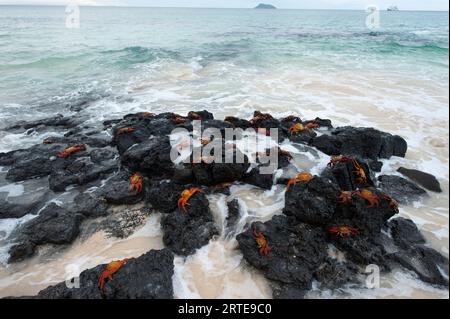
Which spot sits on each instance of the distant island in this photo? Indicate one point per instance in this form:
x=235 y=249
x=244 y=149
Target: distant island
x=265 y=6
x=392 y=8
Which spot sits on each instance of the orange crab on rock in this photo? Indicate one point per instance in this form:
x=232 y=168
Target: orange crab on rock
x=360 y=173
x=299 y=127
x=369 y=196
x=110 y=270
x=185 y=196
x=125 y=130
x=136 y=183
x=343 y=231
x=345 y=197
x=303 y=177
x=71 y=150
x=261 y=241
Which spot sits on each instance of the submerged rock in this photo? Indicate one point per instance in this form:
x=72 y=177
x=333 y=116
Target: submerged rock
x=427 y=263
x=146 y=277
x=33 y=197
x=425 y=180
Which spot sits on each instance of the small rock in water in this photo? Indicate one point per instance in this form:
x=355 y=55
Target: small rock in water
x=405 y=233
x=400 y=188
x=425 y=180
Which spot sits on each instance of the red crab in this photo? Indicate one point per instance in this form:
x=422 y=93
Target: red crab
x=261 y=241
x=185 y=196
x=299 y=127
x=110 y=270
x=136 y=183
x=369 y=196
x=360 y=173
x=302 y=178
x=343 y=231
x=125 y=130
x=345 y=197
x=71 y=150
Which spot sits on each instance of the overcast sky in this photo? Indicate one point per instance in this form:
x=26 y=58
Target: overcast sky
x=285 y=4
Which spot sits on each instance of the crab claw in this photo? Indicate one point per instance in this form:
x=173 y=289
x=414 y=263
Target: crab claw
x=185 y=196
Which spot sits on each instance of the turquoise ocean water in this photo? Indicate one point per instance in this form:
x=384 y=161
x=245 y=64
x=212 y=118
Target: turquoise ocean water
x=41 y=61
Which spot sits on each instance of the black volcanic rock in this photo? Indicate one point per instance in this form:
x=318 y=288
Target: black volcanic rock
x=363 y=142
x=314 y=203
x=164 y=195
x=233 y=214
x=346 y=175
x=146 y=277
x=54 y=225
x=427 y=263
x=151 y=158
x=117 y=191
x=185 y=232
x=80 y=171
x=89 y=205
x=405 y=233
x=400 y=189
x=297 y=250
x=425 y=180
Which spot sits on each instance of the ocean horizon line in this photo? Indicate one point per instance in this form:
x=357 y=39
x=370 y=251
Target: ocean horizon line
x=209 y=8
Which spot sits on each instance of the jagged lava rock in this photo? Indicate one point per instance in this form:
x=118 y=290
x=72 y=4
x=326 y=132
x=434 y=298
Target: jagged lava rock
x=313 y=203
x=89 y=205
x=184 y=232
x=297 y=250
x=346 y=174
x=400 y=188
x=79 y=171
x=146 y=277
x=117 y=191
x=54 y=225
x=151 y=157
x=363 y=142
x=163 y=195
